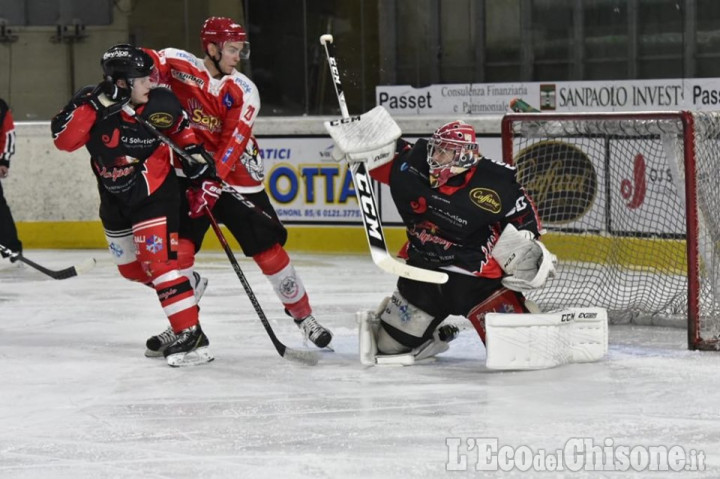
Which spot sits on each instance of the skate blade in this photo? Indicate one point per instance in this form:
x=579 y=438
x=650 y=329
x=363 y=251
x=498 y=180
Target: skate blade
x=193 y=358
x=149 y=353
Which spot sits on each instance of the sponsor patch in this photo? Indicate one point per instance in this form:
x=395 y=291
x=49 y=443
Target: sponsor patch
x=228 y=101
x=161 y=119
x=154 y=244
x=486 y=199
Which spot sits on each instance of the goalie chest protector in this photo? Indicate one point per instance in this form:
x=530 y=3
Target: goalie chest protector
x=451 y=225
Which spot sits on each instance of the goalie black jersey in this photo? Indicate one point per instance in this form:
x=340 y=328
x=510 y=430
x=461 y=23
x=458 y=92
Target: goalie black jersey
x=455 y=226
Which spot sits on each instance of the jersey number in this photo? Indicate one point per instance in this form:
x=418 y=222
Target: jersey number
x=249 y=113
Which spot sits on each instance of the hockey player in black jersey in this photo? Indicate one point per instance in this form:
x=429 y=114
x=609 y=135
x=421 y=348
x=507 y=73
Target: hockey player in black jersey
x=139 y=195
x=457 y=207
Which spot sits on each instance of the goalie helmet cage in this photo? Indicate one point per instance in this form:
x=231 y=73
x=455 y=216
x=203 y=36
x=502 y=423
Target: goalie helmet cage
x=631 y=205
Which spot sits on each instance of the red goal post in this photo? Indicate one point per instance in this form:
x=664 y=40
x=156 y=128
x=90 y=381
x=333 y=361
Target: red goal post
x=631 y=205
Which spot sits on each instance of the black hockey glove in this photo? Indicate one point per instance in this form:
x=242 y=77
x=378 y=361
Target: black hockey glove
x=108 y=99
x=202 y=167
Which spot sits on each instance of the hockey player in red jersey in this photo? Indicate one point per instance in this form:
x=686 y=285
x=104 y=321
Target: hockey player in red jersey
x=139 y=195
x=463 y=213
x=223 y=104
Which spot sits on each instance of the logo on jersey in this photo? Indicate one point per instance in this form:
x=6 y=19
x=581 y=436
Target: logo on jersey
x=419 y=206
x=161 y=119
x=243 y=84
x=188 y=78
x=426 y=233
x=201 y=119
x=137 y=142
x=228 y=101
x=486 y=199
x=252 y=161
x=227 y=154
x=112 y=140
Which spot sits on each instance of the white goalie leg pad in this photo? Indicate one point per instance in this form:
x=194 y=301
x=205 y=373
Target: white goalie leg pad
x=368 y=325
x=590 y=334
x=426 y=351
x=546 y=340
x=369 y=329
x=430 y=348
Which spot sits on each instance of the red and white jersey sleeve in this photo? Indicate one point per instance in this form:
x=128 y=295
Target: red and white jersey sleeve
x=222 y=111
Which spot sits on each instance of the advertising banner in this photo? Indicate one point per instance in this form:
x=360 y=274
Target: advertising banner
x=700 y=94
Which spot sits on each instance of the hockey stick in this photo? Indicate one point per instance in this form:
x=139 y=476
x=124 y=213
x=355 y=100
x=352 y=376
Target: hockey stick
x=366 y=197
x=54 y=274
x=182 y=153
x=305 y=357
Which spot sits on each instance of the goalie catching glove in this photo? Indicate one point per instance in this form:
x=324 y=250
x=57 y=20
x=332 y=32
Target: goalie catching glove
x=369 y=137
x=526 y=261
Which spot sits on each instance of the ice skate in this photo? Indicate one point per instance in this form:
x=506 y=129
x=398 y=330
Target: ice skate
x=189 y=349
x=316 y=333
x=155 y=345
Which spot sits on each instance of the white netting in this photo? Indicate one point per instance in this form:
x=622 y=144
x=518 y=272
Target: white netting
x=611 y=191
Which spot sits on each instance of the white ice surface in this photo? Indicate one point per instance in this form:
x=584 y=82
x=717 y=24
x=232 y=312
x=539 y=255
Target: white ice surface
x=79 y=400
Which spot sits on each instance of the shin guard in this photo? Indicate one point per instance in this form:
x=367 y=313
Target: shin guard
x=289 y=288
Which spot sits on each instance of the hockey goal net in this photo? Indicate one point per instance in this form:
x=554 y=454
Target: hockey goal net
x=631 y=205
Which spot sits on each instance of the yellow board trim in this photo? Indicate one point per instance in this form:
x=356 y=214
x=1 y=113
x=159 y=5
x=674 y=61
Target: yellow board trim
x=319 y=239
x=634 y=252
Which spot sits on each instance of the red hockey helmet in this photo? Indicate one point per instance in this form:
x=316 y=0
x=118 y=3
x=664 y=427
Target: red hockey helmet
x=219 y=30
x=451 y=150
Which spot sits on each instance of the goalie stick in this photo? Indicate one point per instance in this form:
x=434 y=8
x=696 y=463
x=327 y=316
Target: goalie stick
x=366 y=196
x=54 y=274
x=305 y=357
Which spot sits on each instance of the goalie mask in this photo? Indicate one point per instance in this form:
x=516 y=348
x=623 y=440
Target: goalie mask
x=451 y=150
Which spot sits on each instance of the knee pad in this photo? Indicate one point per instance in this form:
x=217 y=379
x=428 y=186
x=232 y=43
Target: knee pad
x=134 y=272
x=272 y=260
x=186 y=254
x=402 y=325
x=160 y=272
